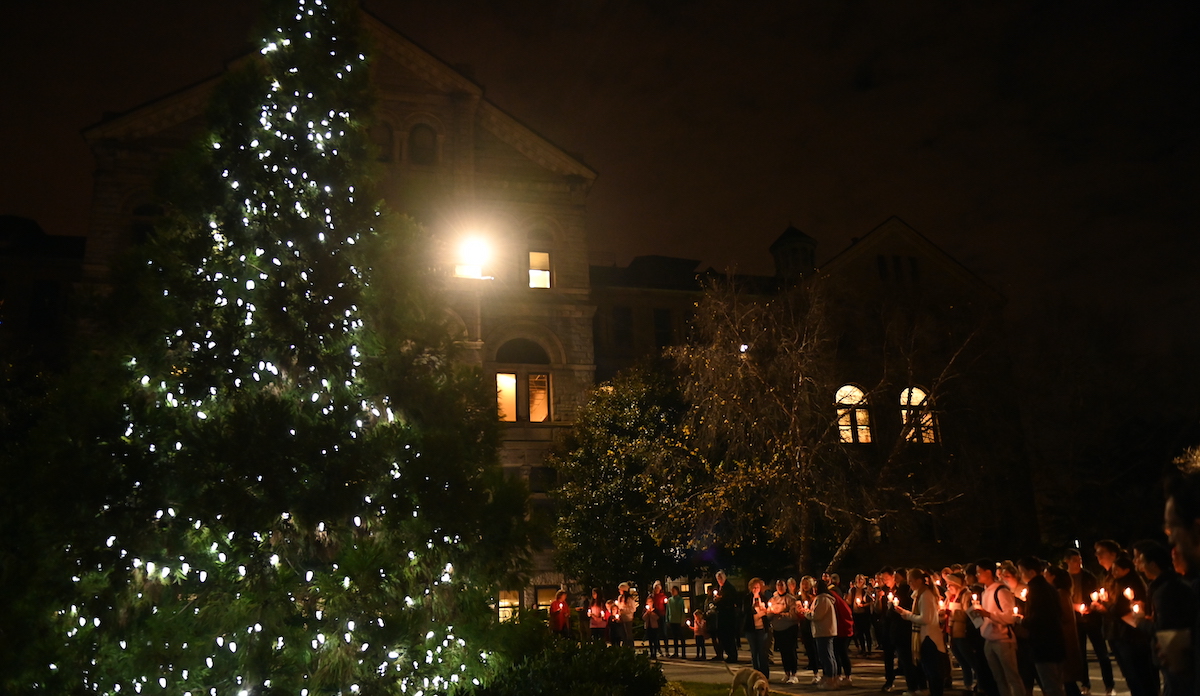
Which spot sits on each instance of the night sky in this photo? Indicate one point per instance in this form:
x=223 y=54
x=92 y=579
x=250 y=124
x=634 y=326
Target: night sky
x=1051 y=147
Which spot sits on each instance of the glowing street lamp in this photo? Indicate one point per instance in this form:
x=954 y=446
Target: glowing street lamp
x=473 y=255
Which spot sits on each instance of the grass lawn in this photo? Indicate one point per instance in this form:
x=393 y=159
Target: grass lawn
x=705 y=689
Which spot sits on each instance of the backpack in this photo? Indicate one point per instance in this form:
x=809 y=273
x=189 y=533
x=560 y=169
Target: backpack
x=1018 y=631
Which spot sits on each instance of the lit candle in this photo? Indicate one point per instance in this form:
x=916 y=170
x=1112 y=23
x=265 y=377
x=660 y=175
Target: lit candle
x=1137 y=607
x=1095 y=596
x=1082 y=608
x=1015 y=612
x=1024 y=593
x=1129 y=593
x=896 y=601
x=1103 y=595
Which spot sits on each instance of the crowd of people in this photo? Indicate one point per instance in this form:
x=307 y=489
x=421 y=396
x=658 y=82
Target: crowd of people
x=987 y=627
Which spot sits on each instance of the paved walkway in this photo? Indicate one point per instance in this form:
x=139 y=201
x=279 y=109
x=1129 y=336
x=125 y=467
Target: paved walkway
x=867 y=675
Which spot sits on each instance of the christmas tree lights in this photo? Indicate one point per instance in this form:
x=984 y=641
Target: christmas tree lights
x=313 y=505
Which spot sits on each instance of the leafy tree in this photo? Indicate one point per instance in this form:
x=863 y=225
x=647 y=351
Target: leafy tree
x=284 y=492
x=609 y=505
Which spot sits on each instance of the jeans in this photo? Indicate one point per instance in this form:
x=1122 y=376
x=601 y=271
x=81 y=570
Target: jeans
x=862 y=631
x=701 y=648
x=675 y=640
x=1002 y=659
x=825 y=655
x=1137 y=665
x=1050 y=674
x=1090 y=629
x=757 y=640
x=962 y=652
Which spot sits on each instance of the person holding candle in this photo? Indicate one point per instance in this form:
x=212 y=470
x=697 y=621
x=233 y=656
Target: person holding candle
x=650 y=622
x=626 y=605
x=926 y=615
x=1073 y=665
x=597 y=616
x=782 y=608
x=700 y=631
x=756 y=623
x=729 y=619
x=1170 y=607
x=560 y=615
x=1088 y=625
x=658 y=597
x=956 y=625
x=845 y=633
x=1122 y=605
x=616 y=630
x=860 y=600
x=993 y=616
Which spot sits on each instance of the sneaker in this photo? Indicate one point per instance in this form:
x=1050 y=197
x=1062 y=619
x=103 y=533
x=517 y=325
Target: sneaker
x=1085 y=690
x=817 y=679
x=847 y=681
x=1110 y=692
x=886 y=687
x=793 y=679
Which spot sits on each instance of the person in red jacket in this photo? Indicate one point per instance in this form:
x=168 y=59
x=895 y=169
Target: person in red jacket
x=560 y=615
x=845 y=634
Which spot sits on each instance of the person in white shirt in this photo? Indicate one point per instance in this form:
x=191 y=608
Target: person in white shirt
x=993 y=615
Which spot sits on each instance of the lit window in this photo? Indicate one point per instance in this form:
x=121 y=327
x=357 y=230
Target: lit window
x=510 y=602
x=854 y=420
x=539 y=398
x=539 y=269
x=506 y=396
x=920 y=421
x=523 y=382
x=545 y=596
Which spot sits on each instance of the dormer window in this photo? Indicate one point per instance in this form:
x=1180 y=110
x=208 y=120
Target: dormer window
x=854 y=420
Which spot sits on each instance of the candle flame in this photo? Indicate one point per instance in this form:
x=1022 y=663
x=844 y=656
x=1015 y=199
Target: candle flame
x=1129 y=593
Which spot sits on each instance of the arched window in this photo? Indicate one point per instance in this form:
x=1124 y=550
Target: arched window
x=920 y=420
x=422 y=145
x=143 y=220
x=523 y=382
x=854 y=420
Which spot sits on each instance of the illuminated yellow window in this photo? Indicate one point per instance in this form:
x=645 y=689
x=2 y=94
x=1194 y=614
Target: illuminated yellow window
x=920 y=420
x=506 y=396
x=539 y=269
x=854 y=420
x=539 y=398
x=510 y=602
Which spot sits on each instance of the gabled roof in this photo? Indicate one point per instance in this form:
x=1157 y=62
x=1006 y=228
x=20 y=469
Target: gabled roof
x=893 y=228
x=190 y=102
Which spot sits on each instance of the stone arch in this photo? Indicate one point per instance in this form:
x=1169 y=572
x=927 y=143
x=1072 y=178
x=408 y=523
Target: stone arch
x=528 y=330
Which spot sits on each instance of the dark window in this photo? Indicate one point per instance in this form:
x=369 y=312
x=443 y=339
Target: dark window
x=422 y=145
x=522 y=350
x=898 y=268
x=622 y=327
x=542 y=479
x=914 y=270
x=881 y=260
x=664 y=330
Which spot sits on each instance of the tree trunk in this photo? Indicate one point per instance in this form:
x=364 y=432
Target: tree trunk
x=844 y=548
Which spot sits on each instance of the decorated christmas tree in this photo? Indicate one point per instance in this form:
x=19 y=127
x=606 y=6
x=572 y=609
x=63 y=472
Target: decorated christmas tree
x=307 y=499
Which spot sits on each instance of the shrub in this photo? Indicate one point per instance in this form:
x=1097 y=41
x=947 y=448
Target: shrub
x=567 y=668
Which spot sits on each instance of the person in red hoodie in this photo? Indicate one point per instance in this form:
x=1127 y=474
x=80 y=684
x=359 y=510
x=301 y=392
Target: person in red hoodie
x=659 y=599
x=845 y=634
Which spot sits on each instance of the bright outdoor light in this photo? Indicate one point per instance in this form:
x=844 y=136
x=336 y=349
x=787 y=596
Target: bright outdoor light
x=473 y=254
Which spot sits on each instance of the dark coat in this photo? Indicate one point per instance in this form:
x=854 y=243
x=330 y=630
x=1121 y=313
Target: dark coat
x=1043 y=618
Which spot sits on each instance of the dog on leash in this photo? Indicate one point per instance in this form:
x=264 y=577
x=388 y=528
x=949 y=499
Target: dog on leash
x=748 y=682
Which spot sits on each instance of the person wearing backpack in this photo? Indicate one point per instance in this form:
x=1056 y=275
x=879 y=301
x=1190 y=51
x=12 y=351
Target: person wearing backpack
x=993 y=615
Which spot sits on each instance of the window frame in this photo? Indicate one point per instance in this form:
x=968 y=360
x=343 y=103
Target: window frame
x=919 y=420
x=853 y=409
